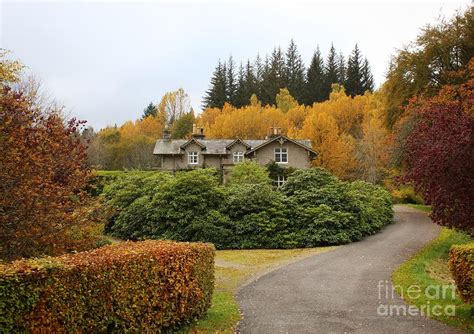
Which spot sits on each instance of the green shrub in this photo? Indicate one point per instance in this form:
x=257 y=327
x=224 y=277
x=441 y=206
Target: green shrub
x=374 y=206
x=129 y=195
x=249 y=172
x=101 y=178
x=308 y=180
x=406 y=194
x=323 y=208
x=260 y=217
x=461 y=264
x=128 y=287
x=330 y=211
x=186 y=207
x=313 y=208
x=326 y=226
x=275 y=170
x=126 y=188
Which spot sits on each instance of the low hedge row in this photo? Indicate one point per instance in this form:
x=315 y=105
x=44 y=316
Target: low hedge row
x=144 y=286
x=461 y=264
x=313 y=208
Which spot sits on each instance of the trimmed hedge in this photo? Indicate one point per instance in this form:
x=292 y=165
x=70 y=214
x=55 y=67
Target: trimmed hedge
x=146 y=286
x=461 y=264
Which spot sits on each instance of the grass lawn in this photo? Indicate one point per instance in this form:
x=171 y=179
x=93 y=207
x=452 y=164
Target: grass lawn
x=422 y=207
x=233 y=269
x=430 y=268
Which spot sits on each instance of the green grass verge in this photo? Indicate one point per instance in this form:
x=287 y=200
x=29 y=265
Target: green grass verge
x=422 y=207
x=429 y=268
x=233 y=269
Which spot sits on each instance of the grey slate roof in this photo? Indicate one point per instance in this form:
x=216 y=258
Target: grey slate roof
x=213 y=146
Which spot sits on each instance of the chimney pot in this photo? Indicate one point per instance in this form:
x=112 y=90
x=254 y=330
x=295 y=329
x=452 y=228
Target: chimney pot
x=198 y=133
x=166 y=133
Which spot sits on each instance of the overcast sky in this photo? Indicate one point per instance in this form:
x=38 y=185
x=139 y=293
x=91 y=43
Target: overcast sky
x=105 y=61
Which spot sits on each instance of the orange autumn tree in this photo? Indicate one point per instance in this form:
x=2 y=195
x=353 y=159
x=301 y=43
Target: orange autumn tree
x=335 y=150
x=347 y=132
x=43 y=171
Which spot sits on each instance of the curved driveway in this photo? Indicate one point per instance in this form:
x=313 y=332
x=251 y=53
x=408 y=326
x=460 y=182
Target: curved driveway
x=346 y=290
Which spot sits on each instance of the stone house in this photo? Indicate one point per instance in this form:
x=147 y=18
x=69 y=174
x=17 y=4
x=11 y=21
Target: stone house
x=198 y=152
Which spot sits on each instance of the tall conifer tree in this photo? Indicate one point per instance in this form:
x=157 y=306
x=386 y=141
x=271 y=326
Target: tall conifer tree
x=216 y=95
x=258 y=74
x=367 y=78
x=314 y=87
x=231 y=81
x=274 y=76
x=240 y=94
x=354 y=73
x=150 y=110
x=331 y=73
x=295 y=72
x=341 y=69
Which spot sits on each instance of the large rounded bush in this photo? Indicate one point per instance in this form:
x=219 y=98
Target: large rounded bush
x=324 y=211
x=374 y=206
x=313 y=208
x=260 y=217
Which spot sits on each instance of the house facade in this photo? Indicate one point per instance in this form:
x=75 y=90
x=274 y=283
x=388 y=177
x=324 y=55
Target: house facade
x=198 y=152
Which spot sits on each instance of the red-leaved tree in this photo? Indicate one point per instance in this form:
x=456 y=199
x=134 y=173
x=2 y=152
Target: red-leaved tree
x=440 y=154
x=42 y=173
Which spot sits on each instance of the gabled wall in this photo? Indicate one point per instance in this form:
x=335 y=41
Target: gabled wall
x=297 y=156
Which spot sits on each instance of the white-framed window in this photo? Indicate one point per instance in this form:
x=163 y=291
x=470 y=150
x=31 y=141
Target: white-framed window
x=280 y=180
x=193 y=158
x=281 y=155
x=238 y=157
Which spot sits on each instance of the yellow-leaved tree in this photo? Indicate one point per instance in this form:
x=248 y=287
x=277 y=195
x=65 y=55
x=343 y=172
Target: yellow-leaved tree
x=336 y=151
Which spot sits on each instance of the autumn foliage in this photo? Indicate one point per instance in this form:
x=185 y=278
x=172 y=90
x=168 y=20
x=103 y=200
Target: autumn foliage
x=41 y=176
x=461 y=264
x=347 y=132
x=138 y=287
x=440 y=153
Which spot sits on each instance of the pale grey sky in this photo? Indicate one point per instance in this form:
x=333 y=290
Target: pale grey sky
x=105 y=61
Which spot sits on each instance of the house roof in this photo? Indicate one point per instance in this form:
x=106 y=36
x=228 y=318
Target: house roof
x=217 y=146
x=304 y=143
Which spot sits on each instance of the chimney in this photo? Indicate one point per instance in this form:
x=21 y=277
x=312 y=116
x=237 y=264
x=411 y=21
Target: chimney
x=198 y=133
x=166 y=133
x=274 y=132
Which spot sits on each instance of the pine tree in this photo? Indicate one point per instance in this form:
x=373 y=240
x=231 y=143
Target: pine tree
x=250 y=82
x=231 y=82
x=353 y=83
x=150 y=110
x=331 y=75
x=258 y=74
x=314 y=87
x=295 y=72
x=367 y=78
x=216 y=95
x=341 y=67
x=265 y=83
x=274 y=76
x=240 y=92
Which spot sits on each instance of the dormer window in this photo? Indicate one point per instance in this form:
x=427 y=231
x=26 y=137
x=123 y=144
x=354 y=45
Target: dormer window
x=193 y=158
x=238 y=157
x=281 y=155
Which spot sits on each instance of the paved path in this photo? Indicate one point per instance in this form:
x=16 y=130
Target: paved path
x=337 y=291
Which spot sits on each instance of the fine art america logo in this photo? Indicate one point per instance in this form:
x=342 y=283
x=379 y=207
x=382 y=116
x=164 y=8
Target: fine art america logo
x=388 y=296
